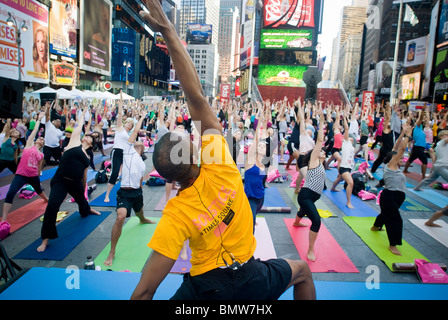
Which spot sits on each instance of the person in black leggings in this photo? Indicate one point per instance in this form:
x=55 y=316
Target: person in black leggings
x=387 y=144
x=311 y=191
x=70 y=177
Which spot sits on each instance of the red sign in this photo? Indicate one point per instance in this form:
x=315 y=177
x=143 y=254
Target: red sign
x=368 y=100
x=64 y=73
x=292 y=13
x=225 y=92
x=237 y=88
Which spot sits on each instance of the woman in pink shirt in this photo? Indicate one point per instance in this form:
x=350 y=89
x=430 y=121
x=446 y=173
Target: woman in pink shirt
x=28 y=170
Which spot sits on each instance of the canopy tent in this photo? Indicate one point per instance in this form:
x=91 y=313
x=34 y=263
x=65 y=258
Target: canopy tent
x=64 y=94
x=45 y=90
x=125 y=96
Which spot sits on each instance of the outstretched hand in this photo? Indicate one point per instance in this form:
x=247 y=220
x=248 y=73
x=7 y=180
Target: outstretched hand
x=156 y=18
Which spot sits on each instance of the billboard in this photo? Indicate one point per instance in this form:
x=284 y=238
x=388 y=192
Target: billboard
x=34 y=53
x=441 y=69
x=63 y=26
x=286 y=39
x=199 y=33
x=283 y=76
x=410 y=86
x=95 y=36
x=415 y=53
x=383 y=72
x=288 y=13
x=442 y=37
x=123 y=49
x=225 y=92
x=368 y=100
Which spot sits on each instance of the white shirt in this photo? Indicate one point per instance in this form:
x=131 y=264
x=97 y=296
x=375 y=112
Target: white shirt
x=52 y=135
x=121 y=139
x=347 y=154
x=133 y=169
x=442 y=154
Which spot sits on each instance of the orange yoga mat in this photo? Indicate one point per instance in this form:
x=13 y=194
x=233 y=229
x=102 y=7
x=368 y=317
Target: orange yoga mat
x=24 y=215
x=329 y=255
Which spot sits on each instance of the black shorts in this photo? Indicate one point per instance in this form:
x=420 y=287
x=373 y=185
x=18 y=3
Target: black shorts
x=418 y=152
x=343 y=170
x=130 y=199
x=300 y=163
x=334 y=150
x=255 y=280
x=363 y=140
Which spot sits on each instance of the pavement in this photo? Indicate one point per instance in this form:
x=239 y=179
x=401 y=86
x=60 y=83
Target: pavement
x=360 y=254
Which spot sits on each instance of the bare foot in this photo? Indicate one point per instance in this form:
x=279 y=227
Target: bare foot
x=310 y=255
x=94 y=212
x=43 y=246
x=394 y=250
x=110 y=259
x=335 y=190
x=375 y=228
x=147 y=221
x=184 y=255
x=349 y=205
x=106 y=199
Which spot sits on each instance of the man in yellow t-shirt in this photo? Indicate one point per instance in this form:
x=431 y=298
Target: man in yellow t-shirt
x=210 y=210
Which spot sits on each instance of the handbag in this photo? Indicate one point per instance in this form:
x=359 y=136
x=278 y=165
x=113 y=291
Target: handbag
x=5 y=227
x=430 y=272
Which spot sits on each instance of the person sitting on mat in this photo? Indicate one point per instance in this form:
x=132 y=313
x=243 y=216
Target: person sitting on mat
x=347 y=163
x=394 y=193
x=210 y=209
x=312 y=190
x=28 y=170
x=70 y=177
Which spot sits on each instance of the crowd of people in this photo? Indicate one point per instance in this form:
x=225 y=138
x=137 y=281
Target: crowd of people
x=213 y=208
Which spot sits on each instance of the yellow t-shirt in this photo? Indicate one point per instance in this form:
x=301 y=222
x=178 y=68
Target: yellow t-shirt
x=213 y=214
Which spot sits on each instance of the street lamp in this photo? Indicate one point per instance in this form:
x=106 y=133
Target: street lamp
x=11 y=21
x=127 y=65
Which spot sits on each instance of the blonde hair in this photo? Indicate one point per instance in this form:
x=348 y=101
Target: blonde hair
x=442 y=133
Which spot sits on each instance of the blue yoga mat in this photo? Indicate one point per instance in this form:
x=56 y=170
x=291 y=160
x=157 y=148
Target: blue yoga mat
x=273 y=198
x=99 y=201
x=71 y=232
x=361 y=209
x=332 y=174
x=61 y=284
x=430 y=195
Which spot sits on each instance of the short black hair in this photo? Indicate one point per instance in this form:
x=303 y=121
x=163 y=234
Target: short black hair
x=172 y=164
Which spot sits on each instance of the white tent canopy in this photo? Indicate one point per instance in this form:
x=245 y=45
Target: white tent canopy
x=45 y=90
x=125 y=96
x=64 y=94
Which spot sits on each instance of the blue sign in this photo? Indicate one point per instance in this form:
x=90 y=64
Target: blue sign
x=123 y=51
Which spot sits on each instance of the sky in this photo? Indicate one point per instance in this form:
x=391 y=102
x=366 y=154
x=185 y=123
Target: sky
x=330 y=26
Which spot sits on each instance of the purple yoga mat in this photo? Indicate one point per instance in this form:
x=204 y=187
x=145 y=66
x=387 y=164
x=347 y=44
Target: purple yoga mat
x=182 y=266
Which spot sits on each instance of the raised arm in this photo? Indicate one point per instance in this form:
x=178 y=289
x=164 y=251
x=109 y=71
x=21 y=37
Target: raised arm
x=32 y=136
x=197 y=103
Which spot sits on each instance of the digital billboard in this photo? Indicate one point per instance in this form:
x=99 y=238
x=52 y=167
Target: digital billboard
x=283 y=76
x=34 y=53
x=95 y=36
x=286 y=39
x=123 y=50
x=410 y=86
x=289 y=13
x=63 y=27
x=199 y=33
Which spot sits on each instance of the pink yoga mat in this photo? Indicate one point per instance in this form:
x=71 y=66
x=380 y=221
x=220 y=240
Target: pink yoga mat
x=162 y=202
x=24 y=215
x=329 y=255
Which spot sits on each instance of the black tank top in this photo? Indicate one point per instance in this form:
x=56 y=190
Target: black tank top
x=73 y=163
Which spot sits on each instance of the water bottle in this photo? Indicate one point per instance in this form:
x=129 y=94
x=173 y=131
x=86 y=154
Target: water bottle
x=89 y=264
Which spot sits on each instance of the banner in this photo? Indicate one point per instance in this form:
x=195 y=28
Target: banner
x=292 y=13
x=123 y=49
x=63 y=26
x=368 y=100
x=34 y=53
x=95 y=36
x=284 y=76
x=225 y=92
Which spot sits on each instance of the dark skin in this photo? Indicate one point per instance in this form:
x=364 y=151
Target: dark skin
x=158 y=265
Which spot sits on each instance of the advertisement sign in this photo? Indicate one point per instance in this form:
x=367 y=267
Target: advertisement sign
x=410 y=86
x=415 y=52
x=442 y=37
x=368 y=100
x=198 y=33
x=284 y=76
x=95 y=36
x=34 y=53
x=225 y=92
x=63 y=26
x=123 y=50
x=441 y=69
x=383 y=71
x=237 y=88
x=286 y=39
x=291 y=13
x=64 y=74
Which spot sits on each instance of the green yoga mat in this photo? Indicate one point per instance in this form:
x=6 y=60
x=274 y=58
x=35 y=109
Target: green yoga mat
x=132 y=250
x=323 y=209
x=379 y=243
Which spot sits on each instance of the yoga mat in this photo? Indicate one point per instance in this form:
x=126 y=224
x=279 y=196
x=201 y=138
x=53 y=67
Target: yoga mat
x=410 y=204
x=162 y=202
x=59 y=284
x=273 y=201
x=332 y=175
x=378 y=242
x=181 y=265
x=361 y=209
x=265 y=248
x=438 y=233
x=72 y=231
x=329 y=255
x=439 y=199
x=338 y=290
x=322 y=208
x=24 y=215
x=132 y=250
x=99 y=201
